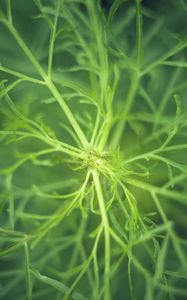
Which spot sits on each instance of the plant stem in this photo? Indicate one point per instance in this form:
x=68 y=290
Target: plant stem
x=106 y=132
x=87 y=263
x=26 y=50
x=104 y=216
x=135 y=78
x=49 y=84
x=95 y=131
x=139 y=31
x=27 y=273
x=171 y=52
x=21 y=75
x=9 y=13
x=11 y=200
x=128 y=104
x=176 y=245
x=177 y=196
x=52 y=40
x=68 y=113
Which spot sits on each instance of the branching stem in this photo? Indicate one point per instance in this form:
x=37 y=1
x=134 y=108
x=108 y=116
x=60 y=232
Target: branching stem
x=104 y=216
x=139 y=32
x=127 y=106
x=50 y=85
x=52 y=39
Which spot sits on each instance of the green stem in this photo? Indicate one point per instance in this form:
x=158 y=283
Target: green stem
x=60 y=214
x=128 y=104
x=9 y=13
x=106 y=132
x=52 y=40
x=26 y=50
x=177 y=48
x=21 y=75
x=104 y=216
x=139 y=31
x=176 y=245
x=148 y=154
x=49 y=84
x=172 y=195
x=68 y=113
x=84 y=269
x=27 y=273
x=11 y=200
x=135 y=78
x=95 y=131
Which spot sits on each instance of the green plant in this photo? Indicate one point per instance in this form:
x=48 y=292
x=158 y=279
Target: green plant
x=93 y=150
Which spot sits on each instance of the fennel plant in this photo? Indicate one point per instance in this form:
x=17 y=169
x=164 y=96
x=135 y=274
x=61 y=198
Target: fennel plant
x=93 y=162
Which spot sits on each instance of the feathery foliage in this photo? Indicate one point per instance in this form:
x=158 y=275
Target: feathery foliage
x=93 y=144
